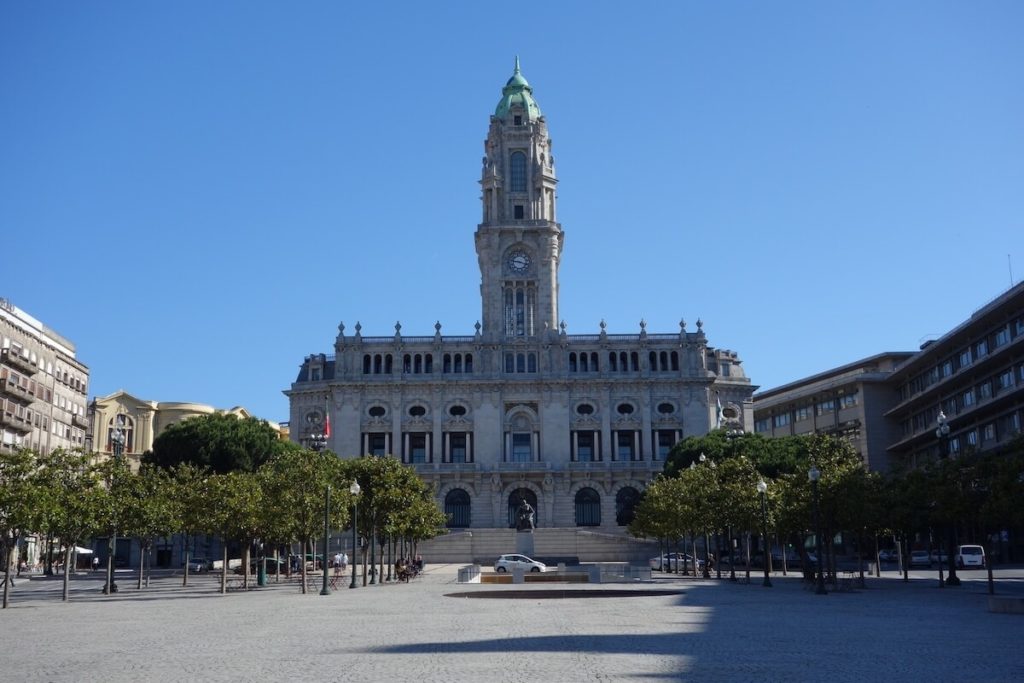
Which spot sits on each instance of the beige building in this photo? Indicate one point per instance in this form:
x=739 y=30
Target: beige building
x=849 y=401
x=43 y=386
x=577 y=424
x=142 y=421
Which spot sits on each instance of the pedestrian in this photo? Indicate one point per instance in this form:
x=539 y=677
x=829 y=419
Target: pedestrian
x=95 y=563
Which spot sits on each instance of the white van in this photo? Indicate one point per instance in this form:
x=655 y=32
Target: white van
x=970 y=556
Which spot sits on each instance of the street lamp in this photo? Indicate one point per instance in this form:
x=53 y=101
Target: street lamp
x=707 y=542
x=762 y=488
x=327 y=537
x=942 y=433
x=814 y=475
x=117 y=440
x=354 y=490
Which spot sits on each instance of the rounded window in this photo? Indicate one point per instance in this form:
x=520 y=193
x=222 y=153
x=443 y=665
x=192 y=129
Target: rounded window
x=314 y=417
x=730 y=413
x=666 y=408
x=377 y=411
x=625 y=409
x=457 y=411
x=585 y=409
x=417 y=411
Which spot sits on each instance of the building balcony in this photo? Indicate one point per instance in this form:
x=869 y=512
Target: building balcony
x=79 y=421
x=16 y=391
x=15 y=423
x=18 y=362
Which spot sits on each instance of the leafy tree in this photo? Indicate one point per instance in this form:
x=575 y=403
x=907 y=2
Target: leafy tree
x=150 y=512
x=72 y=495
x=191 y=504
x=237 y=515
x=217 y=442
x=18 y=504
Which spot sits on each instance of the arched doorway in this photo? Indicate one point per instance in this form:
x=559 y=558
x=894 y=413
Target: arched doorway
x=457 y=509
x=625 y=505
x=588 y=507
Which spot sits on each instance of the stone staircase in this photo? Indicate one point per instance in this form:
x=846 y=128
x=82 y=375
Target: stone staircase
x=550 y=545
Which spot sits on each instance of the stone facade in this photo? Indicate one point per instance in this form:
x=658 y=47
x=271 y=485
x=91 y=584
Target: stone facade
x=576 y=424
x=43 y=386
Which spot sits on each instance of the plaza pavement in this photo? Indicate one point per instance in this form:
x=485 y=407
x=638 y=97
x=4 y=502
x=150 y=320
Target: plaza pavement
x=712 y=631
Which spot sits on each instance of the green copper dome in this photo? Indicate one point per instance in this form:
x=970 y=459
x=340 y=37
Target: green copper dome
x=517 y=92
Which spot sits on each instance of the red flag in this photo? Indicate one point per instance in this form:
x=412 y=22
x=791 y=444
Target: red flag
x=327 y=422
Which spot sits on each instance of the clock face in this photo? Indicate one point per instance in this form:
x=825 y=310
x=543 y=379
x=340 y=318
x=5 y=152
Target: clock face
x=518 y=261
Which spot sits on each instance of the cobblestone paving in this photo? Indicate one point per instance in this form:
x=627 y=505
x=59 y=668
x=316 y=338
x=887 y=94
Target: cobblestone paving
x=714 y=631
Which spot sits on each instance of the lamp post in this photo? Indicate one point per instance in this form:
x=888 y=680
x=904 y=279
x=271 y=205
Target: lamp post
x=325 y=590
x=354 y=490
x=814 y=475
x=117 y=443
x=707 y=542
x=942 y=433
x=762 y=488
x=373 y=549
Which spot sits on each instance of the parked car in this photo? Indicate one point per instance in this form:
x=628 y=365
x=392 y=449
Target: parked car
x=669 y=561
x=506 y=563
x=970 y=556
x=272 y=566
x=940 y=556
x=891 y=555
x=197 y=564
x=920 y=558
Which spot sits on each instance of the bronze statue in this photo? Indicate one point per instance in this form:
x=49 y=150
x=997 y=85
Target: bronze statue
x=524 y=516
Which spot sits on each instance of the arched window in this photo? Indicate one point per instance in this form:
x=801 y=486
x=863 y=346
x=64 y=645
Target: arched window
x=122 y=429
x=377 y=360
x=457 y=509
x=417 y=364
x=446 y=363
x=612 y=364
x=510 y=363
x=387 y=364
x=572 y=362
x=588 y=507
x=593 y=362
x=652 y=361
x=517 y=172
x=469 y=362
x=625 y=505
x=513 y=504
x=428 y=363
x=635 y=360
x=675 y=361
x=458 y=362
x=531 y=363
x=622 y=361
x=664 y=362
x=520 y=362
x=366 y=364
x=583 y=363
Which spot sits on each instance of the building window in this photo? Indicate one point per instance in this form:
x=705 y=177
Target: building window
x=825 y=407
x=457 y=509
x=968 y=398
x=585 y=409
x=985 y=390
x=522 y=447
x=588 y=507
x=965 y=358
x=377 y=443
x=517 y=174
x=981 y=349
x=126 y=428
x=780 y=420
x=947 y=368
x=626 y=446
x=847 y=400
x=802 y=413
x=517 y=212
x=761 y=425
x=972 y=438
x=988 y=432
x=585 y=446
x=1006 y=379
x=1002 y=337
x=664 y=440
x=666 y=408
x=458 y=447
x=416 y=451
x=377 y=411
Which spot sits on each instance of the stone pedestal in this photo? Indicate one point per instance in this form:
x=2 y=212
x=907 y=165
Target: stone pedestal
x=524 y=543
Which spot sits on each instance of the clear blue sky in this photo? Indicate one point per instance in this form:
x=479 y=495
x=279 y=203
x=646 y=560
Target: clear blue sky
x=197 y=193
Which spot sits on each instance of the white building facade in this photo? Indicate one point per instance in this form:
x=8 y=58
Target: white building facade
x=575 y=424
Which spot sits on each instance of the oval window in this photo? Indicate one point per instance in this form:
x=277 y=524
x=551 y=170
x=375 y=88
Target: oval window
x=625 y=409
x=730 y=413
x=417 y=411
x=313 y=417
x=666 y=408
x=585 y=409
x=457 y=411
x=377 y=411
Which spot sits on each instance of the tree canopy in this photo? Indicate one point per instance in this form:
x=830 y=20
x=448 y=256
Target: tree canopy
x=218 y=442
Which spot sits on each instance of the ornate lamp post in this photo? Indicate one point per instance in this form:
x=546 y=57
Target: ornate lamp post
x=354 y=490
x=814 y=475
x=117 y=443
x=942 y=433
x=762 y=488
x=325 y=590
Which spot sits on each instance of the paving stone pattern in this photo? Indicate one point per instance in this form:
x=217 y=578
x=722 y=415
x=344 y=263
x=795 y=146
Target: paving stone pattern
x=713 y=631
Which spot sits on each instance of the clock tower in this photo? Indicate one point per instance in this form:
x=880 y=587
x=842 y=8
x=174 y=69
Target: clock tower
x=518 y=242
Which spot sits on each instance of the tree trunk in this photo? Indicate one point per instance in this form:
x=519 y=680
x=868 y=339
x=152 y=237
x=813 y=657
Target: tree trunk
x=246 y=554
x=8 y=554
x=305 y=542
x=184 y=581
x=142 y=564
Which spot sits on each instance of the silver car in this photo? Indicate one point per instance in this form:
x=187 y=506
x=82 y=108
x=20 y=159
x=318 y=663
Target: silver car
x=506 y=563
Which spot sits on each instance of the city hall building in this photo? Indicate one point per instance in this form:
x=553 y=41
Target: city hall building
x=577 y=424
